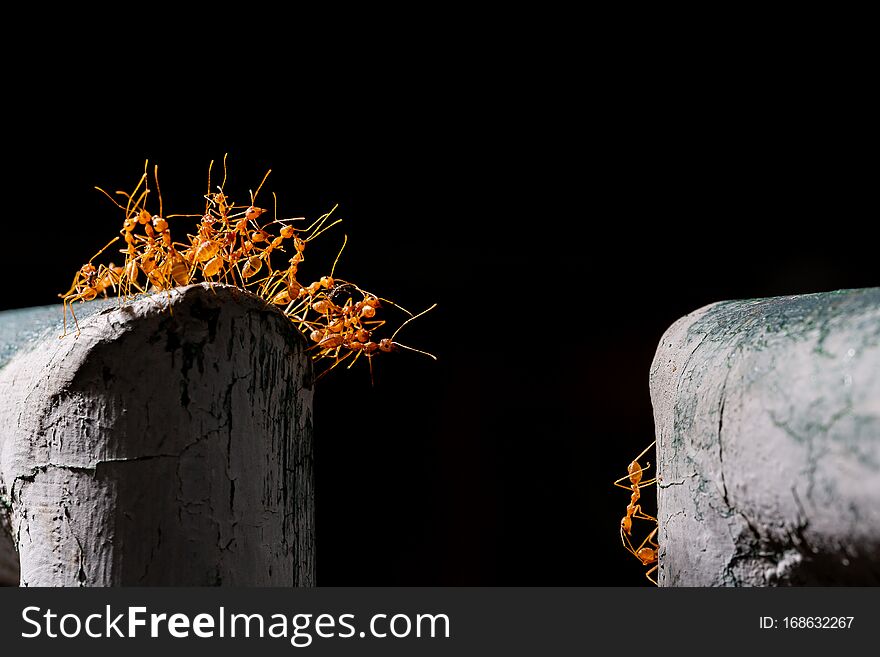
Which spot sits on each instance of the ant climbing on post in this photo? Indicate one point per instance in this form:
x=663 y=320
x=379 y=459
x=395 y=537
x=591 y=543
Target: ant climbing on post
x=88 y=283
x=644 y=553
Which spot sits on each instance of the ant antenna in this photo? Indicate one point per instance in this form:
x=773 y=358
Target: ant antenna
x=253 y=195
x=344 y=242
x=224 y=172
x=403 y=346
x=207 y=196
x=320 y=225
x=158 y=189
x=103 y=249
x=645 y=450
x=411 y=319
x=137 y=187
x=396 y=305
x=113 y=200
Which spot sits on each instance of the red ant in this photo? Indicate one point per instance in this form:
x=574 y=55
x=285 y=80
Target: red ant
x=644 y=553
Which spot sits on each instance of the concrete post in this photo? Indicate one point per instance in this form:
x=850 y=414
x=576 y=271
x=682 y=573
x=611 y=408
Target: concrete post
x=170 y=443
x=768 y=423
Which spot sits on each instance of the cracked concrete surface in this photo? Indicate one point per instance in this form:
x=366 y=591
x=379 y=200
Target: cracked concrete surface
x=158 y=447
x=767 y=417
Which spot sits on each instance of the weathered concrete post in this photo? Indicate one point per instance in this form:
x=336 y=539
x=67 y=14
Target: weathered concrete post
x=170 y=443
x=768 y=424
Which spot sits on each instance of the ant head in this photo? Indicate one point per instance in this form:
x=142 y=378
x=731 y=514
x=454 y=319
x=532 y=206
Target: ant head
x=160 y=224
x=386 y=345
x=626 y=524
x=208 y=219
x=287 y=232
x=635 y=472
x=144 y=217
x=129 y=224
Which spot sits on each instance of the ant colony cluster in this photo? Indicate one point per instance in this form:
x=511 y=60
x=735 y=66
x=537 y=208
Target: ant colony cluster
x=233 y=245
x=646 y=552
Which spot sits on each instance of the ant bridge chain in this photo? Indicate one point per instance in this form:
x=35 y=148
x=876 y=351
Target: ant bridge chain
x=231 y=245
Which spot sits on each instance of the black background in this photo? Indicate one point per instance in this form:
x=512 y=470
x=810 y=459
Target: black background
x=561 y=217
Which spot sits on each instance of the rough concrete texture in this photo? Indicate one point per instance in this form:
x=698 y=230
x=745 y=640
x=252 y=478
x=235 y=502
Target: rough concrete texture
x=170 y=443
x=768 y=423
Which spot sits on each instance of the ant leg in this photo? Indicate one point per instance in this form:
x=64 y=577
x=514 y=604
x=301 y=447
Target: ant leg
x=76 y=280
x=638 y=513
x=270 y=289
x=136 y=285
x=338 y=361
x=261 y=282
x=648 y=575
x=192 y=270
x=649 y=537
x=64 y=316
x=356 y=356
x=72 y=314
x=627 y=544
